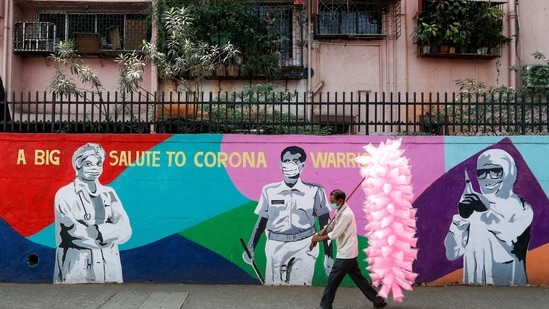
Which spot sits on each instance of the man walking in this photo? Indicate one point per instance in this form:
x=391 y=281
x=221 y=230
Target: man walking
x=344 y=232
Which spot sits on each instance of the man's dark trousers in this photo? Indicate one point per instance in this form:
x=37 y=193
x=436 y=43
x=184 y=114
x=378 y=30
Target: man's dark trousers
x=341 y=268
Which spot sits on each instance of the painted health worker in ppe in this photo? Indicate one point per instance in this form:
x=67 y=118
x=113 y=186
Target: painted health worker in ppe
x=90 y=223
x=492 y=228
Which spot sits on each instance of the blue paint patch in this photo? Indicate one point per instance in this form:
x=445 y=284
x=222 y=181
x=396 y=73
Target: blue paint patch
x=534 y=150
x=15 y=254
x=176 y=259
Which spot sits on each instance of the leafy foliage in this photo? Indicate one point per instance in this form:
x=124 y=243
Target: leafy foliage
x=480 y=109
x=536 y=79
x=261 y=109
x=252 y=31
x=63 y=83
x=460 y=22
x=185 y=58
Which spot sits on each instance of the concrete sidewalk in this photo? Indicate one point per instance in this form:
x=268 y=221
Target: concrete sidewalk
x=168 y=296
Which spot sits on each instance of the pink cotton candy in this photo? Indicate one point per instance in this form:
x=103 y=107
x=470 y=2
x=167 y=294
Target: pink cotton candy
x=391 y=218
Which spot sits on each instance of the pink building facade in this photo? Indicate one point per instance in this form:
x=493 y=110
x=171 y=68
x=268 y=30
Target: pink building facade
x=384 y=60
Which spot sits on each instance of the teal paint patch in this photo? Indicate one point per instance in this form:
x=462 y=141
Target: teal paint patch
x=534 y=150
x=45 y=237
x=182 y=196
x=459 y=148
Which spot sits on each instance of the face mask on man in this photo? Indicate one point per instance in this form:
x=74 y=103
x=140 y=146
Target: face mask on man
x=290 y=169
x=334 y=206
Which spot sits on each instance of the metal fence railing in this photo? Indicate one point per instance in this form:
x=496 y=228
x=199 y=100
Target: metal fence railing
x=278 y=113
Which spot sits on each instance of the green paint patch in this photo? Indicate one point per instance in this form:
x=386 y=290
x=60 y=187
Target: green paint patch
x=222 y=235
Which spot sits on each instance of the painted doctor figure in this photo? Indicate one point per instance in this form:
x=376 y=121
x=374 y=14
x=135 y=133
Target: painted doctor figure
x=492 y=228
x=90 y=223
x=287 y=212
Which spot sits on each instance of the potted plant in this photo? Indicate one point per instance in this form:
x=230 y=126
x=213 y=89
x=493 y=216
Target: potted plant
x=495 y=42
x=461 y=23
x=233 y=69
x=423 y=35
x=220 y=69
x=464 y=38
x=452 y=36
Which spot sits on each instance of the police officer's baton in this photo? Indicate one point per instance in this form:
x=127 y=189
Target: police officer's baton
x=254 y=265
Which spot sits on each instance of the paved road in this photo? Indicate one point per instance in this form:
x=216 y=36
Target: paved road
x=127 y=296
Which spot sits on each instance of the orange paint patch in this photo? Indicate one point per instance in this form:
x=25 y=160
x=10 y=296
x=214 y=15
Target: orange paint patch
x=536 y=266
x=451 y=278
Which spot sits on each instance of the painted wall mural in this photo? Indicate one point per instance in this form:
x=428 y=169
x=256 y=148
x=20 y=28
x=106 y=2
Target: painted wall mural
x=185 y=208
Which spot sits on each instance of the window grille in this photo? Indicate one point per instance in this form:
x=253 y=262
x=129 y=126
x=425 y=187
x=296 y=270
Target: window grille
x=357 y=19
x=279 y=19
x=108 y=31
x=34 y=36
x=338 y=18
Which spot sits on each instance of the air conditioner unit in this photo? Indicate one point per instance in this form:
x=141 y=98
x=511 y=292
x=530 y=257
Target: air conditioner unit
x=535 y=75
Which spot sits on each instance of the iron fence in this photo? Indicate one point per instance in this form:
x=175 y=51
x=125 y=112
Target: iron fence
x=279 y=113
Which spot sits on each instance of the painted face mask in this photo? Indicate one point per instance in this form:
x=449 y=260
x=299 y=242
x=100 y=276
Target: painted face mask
x=91 y=169
x=290 y=169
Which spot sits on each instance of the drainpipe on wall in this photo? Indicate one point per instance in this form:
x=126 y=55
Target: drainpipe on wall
x=515 y=35
x=154 y=71
x=309 y=42
x=6 y=13
x=407 y=49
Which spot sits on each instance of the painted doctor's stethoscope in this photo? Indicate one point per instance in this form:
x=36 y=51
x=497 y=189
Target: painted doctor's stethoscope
x=90 y=223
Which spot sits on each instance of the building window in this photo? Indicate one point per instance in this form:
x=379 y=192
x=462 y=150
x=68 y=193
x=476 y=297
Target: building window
x=269 y=36
x=348 y=18
x=101 y=31
x=278 y=20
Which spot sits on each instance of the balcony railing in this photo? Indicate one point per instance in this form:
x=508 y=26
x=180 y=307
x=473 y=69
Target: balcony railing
x=280 y=113
x=112 y=34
